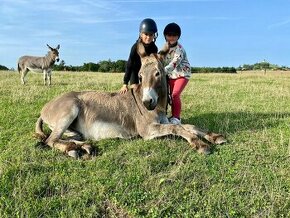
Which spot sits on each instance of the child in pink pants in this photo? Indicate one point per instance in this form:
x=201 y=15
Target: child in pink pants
x=177 y=68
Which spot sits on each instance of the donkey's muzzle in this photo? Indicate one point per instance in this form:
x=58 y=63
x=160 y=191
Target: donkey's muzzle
x=149 y=98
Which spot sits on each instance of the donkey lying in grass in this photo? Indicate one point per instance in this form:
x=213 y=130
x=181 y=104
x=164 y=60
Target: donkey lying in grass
x=39 y=64
x=99 y=115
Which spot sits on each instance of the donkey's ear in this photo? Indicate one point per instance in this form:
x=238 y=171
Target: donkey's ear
x=163 y=51
x=141 y=49
x=160 y=57
x=58 y=46
x=49 y=47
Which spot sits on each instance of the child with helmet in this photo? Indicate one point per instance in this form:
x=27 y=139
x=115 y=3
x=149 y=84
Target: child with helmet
x=147 y=35
x=177 y=68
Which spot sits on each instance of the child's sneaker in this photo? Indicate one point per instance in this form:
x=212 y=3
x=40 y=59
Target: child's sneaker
x=174 y=120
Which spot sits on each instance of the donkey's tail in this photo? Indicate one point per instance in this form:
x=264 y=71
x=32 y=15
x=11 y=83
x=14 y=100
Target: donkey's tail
x=39 y=134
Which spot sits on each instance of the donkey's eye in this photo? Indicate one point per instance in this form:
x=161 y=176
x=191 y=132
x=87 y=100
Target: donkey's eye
x=157 y=74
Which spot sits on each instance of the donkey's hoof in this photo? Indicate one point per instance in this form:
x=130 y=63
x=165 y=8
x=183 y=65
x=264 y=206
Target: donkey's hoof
x=87 y=148
x=215 y=138
x=220 y=140
x=73 y=153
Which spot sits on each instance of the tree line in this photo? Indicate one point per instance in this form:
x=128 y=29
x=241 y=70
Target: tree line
x=101 y=66
x=213 y=70
x=120 y=66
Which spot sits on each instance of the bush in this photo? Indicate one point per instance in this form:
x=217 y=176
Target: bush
x=3 y=67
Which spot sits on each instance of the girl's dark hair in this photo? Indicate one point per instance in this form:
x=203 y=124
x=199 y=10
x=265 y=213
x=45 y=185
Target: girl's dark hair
x=172 y=29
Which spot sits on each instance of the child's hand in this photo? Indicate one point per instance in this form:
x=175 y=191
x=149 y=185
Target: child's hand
x=124 y=89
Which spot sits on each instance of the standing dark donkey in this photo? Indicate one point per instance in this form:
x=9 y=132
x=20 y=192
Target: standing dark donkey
x=39 y=64
x=99 y=115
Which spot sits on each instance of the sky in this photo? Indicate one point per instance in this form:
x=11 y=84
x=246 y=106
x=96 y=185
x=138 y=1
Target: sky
x=215 y=33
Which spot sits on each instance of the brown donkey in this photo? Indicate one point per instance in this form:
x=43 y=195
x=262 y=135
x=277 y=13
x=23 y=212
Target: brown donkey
x=38 y=64
x=99 y=115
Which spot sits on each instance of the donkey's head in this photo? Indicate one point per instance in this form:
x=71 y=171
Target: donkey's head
x=153 y=79
x=54 y=52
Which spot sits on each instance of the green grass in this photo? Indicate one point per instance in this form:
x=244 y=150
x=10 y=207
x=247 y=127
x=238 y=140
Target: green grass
x=247 y=177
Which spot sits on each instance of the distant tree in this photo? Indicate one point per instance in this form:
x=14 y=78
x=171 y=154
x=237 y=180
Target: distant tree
x=265 y=65
x=247 y=67
x=240 y=68
x=284 y=68
x=60 y=66
x=3 y=67
x=62 y=63
x=120 y=66
x=91 y=67
x=105 y=66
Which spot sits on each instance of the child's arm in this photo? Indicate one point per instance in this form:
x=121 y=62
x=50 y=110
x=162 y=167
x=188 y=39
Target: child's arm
x=177 y=58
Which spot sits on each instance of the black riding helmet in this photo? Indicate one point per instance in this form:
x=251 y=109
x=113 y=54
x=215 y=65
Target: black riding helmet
x=172 y=29
x=148 y=26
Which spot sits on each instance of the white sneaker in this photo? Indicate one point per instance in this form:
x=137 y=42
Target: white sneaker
x=174 y=120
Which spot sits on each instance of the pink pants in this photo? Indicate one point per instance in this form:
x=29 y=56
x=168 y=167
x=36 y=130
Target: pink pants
x=176 y=87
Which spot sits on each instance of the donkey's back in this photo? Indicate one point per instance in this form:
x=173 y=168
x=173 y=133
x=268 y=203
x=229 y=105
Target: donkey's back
x=30 y=63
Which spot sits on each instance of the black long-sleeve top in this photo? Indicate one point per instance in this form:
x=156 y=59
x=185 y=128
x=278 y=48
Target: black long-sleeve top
x=134 y=62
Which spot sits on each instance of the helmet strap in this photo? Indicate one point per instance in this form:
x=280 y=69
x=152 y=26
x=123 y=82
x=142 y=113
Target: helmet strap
x=155 y=36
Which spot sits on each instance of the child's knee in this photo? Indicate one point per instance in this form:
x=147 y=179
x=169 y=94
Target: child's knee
x=175 y=95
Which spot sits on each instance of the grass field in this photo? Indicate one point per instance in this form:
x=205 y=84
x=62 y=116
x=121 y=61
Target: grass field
x=247 y=177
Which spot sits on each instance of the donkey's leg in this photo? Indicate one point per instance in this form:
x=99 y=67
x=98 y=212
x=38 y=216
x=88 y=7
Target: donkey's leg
x=214 y=138
x=44 y=76
x=23 y=74
x=49 y=77
x=159 y=130
x=54 y=140
x=69 y=146
x=58 y=129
